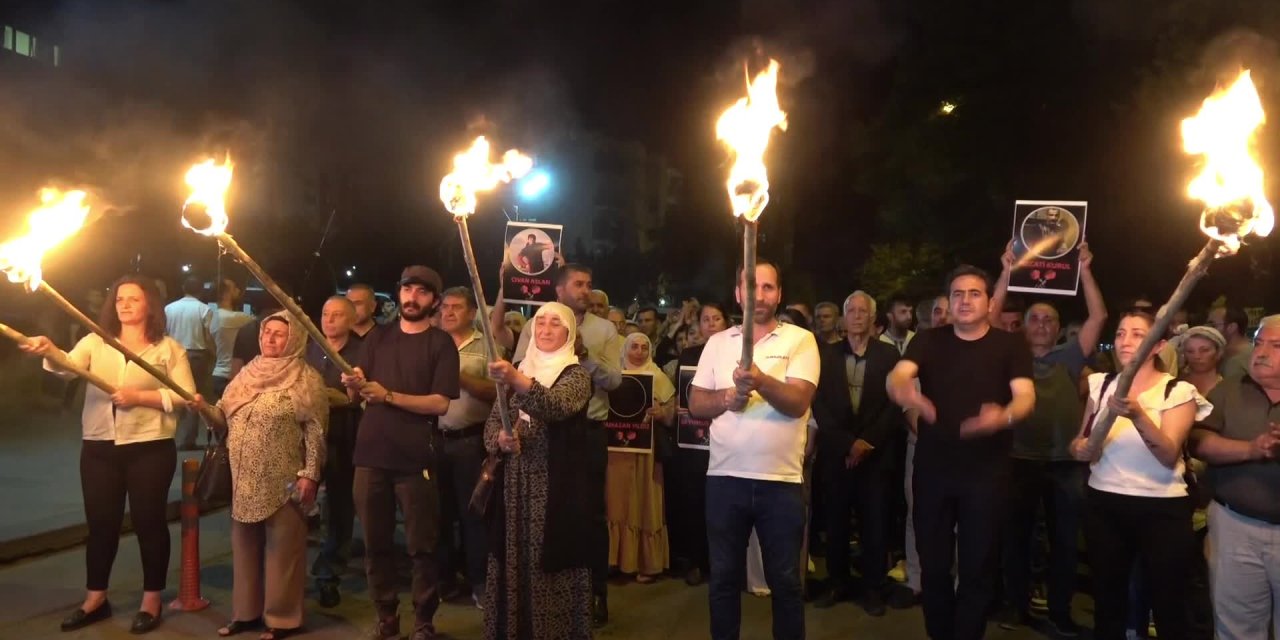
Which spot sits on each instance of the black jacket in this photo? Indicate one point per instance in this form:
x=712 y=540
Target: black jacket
x=878 y=421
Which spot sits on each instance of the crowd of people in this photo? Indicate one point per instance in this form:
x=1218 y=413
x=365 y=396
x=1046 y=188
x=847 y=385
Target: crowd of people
x=947 y=444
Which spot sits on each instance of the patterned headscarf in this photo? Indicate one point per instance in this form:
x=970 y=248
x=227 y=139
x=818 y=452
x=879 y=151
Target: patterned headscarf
x=288 y=371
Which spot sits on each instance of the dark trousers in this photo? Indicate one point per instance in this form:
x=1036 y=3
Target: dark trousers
x=189 y=424
x=459 y=471
x=866 y=490
x=1157 y=531
x=955 y=514
x=776 y=510
x=141 y=472
x=339 y=482
x=686 y=503
x=1059 y=486
x=377 y=492
x=598 y=536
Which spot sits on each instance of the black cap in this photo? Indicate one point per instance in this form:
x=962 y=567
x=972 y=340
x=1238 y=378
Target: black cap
x=425 y=276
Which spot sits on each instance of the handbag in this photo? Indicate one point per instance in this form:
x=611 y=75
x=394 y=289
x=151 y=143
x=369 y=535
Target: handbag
x=482 y=494
x=213 y=485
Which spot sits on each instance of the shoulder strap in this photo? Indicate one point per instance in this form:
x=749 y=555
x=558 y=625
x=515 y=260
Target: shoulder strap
x=1102 y=393
x=1169 y=386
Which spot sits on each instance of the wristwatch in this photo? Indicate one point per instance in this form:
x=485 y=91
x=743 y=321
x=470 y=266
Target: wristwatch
x=388 y=398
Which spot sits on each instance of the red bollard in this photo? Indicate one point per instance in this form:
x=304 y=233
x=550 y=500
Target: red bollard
x=189 y=583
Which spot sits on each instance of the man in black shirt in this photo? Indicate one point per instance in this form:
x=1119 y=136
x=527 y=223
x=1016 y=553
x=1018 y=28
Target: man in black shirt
x=336 y=320
x=975 y=383
x=407 y=375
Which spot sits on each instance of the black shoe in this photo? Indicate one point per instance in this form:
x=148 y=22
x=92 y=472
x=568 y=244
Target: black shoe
x=694 y=577
x=144 y=622
x=237 y=627
x=80 y=619
x=1011 y=619
x=600 y=611
x=328 y=595
x=1064 y=626
x=873 y=604
x=830 y=598
x=903 y=598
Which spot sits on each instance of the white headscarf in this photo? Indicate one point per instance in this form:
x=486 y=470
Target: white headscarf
x=662 y=387
x=545 y=366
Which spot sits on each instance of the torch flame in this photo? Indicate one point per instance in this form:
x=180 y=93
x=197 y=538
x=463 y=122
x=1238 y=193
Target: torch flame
x=59 y=216
x=745 y=128
x=1231 y=182
x=209 y=183
x=473 y=173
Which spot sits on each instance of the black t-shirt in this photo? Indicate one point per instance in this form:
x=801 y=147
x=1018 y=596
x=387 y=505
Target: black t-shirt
x=416 y=364
x=246 y=347
x=959 y=376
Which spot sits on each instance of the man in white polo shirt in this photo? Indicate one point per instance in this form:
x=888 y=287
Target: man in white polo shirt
x=758 y=432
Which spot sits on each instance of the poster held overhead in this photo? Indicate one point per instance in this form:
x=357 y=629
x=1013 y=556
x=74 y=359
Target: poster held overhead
x=1046 y=241
x=530 y=273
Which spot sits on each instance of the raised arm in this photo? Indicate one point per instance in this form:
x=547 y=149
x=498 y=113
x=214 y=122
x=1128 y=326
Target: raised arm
x=1091 y=331
x=1007 y=261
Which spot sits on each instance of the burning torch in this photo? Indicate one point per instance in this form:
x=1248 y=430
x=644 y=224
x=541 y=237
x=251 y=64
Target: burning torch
x=745 y=129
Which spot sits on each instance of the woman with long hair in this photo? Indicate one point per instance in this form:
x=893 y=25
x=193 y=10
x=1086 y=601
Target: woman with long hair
x=1137 y=506
x=128 y=450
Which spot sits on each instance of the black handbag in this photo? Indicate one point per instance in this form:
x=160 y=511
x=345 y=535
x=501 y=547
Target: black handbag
x=213 y=485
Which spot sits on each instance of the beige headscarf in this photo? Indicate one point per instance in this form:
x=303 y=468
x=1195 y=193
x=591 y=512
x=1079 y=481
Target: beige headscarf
x=662 y=387
x=288 y=371
x=545 y=366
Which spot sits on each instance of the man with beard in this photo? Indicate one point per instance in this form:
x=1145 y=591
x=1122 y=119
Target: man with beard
x=1044 y=471
x=899 y=333
x=464 y=453
x=407 y=376
x=941 y=313
x=339 y=471
x=975 y=385
x=603 y=362
x=759 y=414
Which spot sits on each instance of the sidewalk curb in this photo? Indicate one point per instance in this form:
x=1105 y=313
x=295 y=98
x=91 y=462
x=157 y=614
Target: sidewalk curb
x=75 y=535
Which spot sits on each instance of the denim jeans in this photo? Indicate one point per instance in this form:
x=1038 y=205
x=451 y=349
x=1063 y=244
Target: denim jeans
x=777 y=512
x=1060 y=487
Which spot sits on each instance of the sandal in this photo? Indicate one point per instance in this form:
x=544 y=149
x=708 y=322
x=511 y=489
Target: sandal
x=239 y=626
x=279 y=634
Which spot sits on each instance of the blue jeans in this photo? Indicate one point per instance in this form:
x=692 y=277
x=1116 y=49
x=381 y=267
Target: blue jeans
x=776 y=510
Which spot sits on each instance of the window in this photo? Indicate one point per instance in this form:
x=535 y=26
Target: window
x=8 y=37
x=22 y=43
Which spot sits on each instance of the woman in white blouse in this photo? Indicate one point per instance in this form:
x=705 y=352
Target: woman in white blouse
x=128 y=449
x=1137 y=506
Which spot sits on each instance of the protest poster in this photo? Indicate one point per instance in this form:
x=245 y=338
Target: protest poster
x=628 y=427
x=1046 y=243
x=691 y=432
x=530 y=273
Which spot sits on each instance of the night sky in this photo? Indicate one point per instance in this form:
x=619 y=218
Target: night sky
x=355 y=109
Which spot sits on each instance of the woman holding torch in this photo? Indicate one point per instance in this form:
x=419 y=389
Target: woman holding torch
x=128 y=449
x=1137 y=504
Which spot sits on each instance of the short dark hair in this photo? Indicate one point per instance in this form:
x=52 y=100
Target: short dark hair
x=363 y=287
x=192 y=286
x=1014 y=305
x=967 y=270
x=760 y=262
x=461 y=292
x=1236 y=316
x=154 y=328
x=899 y=299
x=641 y=310
x=569 y=269
x=712 y=305
x=222 y=285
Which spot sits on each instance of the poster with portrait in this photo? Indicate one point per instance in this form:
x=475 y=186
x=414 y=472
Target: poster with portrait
x=691 y=432
x=1046 y=243
x=530 y=274
x=628 y=427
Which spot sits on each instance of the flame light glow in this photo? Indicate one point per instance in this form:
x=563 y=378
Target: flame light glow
x=745 y=128
x=1230 y=183
x=209 y=183
x=473 y=173
x=59 y=216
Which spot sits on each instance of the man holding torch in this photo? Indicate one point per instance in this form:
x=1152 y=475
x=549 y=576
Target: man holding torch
x=975 y=385
x=407 y=376
x=759 y=414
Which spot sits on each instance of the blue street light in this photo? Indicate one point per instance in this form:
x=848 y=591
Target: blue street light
x=534 y=184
